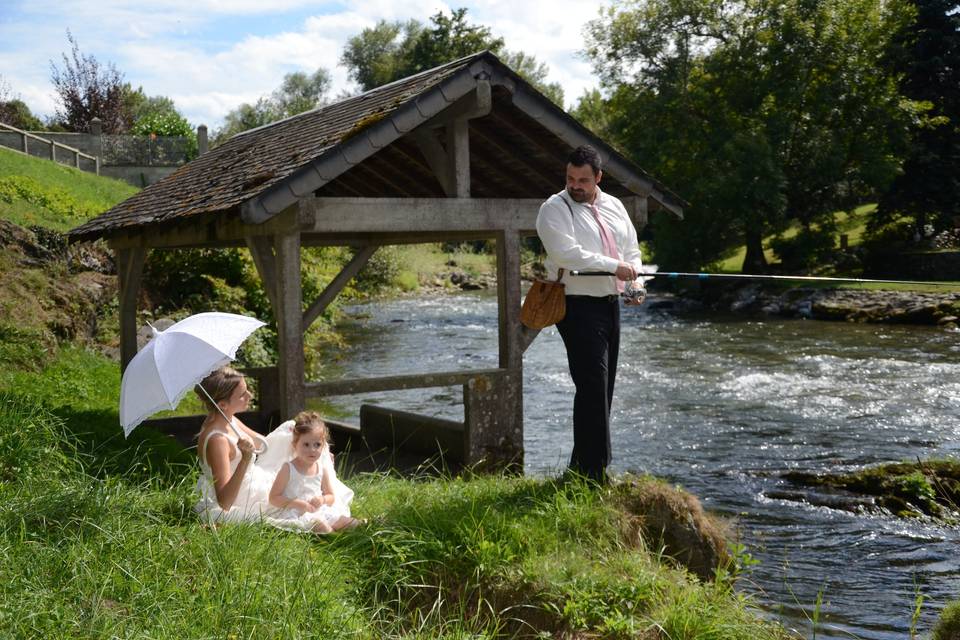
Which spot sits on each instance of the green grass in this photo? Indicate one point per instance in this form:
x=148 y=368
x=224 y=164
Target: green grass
x=40 y=192
x=853 y=224
x=100 y=541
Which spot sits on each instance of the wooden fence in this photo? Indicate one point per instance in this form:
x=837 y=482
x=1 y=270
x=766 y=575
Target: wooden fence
x=26 y=136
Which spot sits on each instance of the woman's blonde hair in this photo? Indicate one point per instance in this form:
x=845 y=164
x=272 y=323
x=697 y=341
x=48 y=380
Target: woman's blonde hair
x=220 y=385
x=309 y=422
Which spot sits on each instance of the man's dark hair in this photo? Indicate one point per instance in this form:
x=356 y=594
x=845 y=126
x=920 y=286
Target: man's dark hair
x=585 y=154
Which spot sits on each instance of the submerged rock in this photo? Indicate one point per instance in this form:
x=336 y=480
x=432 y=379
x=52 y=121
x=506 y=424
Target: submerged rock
x=906 y=489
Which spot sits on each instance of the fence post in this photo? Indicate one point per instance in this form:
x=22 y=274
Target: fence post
x=202 y=144
x=53 y=150
x=24 y=137
x=96 y=130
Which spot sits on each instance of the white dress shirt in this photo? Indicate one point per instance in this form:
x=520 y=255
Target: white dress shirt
x=573 y=242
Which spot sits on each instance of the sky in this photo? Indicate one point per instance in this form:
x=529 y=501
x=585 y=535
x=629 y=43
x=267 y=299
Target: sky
x=210 y=56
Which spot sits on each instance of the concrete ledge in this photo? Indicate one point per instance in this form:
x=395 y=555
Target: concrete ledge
x=385 y=428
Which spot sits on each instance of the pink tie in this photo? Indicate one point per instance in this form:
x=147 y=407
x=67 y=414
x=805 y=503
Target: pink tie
x=609 y=244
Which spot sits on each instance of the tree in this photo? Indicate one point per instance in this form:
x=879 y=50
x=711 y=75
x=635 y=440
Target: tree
x=140 y=105
x=297 y=93
x=393 y=50
x=301 y=92
x=15 y=112
x=926 y=52
x=375 y=55
x=87 y=90
x=756 y=111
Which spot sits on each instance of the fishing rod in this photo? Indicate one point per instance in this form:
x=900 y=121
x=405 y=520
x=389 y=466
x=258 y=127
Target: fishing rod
x=650 y=271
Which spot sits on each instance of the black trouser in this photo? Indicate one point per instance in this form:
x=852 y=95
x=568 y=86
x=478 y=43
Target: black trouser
x=591 y=333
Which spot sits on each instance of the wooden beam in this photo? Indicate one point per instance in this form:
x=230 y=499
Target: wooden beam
x=436 y=157
x=353 y=386
x=527 y=336
x=458 y=150
x=261 y=250
x=553 y=180
x=638 y=209
x=417 y=215
x=215 y=230
x=289 y=324
x=331 y=291
x=130 y=263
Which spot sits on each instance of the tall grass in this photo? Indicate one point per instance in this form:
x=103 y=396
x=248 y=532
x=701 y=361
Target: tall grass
x=100 y=540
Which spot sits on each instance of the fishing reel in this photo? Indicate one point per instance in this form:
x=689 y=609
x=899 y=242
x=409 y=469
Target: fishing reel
x=634 y=291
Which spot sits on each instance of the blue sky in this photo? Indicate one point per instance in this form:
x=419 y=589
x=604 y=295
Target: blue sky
x=212 y=55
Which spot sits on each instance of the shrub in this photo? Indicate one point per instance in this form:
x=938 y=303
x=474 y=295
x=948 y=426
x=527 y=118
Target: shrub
x=167 y=124
x=805 y=250
x=948 y=626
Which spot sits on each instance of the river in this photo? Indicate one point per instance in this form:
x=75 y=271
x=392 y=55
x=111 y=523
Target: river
x=722 y=406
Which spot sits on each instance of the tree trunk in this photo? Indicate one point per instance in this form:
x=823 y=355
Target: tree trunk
x=755 y=261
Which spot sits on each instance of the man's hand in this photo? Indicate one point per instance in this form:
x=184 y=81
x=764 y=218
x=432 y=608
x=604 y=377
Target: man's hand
x=625 y=271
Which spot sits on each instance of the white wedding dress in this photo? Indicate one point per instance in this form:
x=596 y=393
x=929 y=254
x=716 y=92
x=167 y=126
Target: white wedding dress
x=252 y=503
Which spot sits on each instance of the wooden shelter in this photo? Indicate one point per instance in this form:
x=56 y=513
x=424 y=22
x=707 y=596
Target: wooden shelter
x=465 y=151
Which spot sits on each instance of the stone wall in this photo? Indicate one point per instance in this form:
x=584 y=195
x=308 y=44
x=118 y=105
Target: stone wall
x=138 y=160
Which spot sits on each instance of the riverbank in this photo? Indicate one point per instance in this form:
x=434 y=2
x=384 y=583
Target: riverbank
x=844 y=305
x=100 y=541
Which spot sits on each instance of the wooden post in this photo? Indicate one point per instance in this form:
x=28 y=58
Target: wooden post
x=289 y=324
x=494 y=405
x=129 y=271
x=458 y=150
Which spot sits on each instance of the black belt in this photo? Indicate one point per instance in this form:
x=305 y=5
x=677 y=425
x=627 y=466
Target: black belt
x=613 y=297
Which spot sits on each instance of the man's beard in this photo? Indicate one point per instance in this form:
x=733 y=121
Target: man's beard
x=579 y=195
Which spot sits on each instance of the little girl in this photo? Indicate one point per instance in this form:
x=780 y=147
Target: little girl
x=232 y=489
x=304 y=490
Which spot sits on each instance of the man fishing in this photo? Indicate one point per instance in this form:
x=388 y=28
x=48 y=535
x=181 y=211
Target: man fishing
x=584 y=229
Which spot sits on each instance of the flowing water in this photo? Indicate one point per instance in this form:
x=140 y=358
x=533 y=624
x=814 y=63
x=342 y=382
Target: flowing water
x=722 y=406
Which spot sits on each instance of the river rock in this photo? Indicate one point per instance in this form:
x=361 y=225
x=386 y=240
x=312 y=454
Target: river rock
x=849 y=305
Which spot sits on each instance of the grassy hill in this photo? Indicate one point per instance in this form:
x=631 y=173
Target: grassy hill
x=40 y=192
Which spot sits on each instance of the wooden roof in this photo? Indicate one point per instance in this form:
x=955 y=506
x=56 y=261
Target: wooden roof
x=359 y=147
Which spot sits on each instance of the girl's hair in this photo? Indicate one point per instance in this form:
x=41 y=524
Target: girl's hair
x=310 y=422
x=220 y=385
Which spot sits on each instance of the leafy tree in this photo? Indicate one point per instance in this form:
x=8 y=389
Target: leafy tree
x=15 y=112
x=140 y=105
x=301 y=92
x=756 y=111
x=297 y=93
x=393 y=50
x=86 y=90
x=374 y=57
x=926 y=52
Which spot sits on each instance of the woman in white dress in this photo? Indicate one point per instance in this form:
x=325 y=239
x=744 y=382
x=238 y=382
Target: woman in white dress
x=231 y=487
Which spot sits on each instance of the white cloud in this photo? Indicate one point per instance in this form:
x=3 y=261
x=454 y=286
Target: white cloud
x=211 y=55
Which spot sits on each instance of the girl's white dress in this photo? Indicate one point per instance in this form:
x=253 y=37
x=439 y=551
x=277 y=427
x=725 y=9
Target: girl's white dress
x=301 y=486
x=253 y=499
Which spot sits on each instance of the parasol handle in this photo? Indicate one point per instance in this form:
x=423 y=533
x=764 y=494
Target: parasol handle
x=230 y=424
